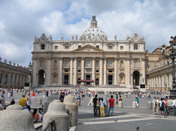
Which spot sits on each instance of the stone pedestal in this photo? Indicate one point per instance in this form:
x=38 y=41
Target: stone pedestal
x=72 y=109
x=134 y=105
x=3 y=102
x=56 y=112
x=14 y=107
x=16 y=120
x=50 y=99
x=120 y=104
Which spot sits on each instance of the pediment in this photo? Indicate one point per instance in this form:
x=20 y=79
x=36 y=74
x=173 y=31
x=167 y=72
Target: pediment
x=88 y=48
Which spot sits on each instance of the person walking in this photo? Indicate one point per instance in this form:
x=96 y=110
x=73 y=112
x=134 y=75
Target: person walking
x=111 y=106
x=117 y=96
x=95 y=99
x=165 y=107
x=154 y=102
x=105 y=106
x=174 y=107
x=137 y=100
x=29 y=101
x=102 y=113
x=161 y=106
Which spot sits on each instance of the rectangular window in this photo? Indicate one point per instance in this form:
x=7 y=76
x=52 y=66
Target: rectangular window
x=110 y=70
x=42 y=46
x=121 y=47
x=41 y=63
x=97 y=70
x=55 y=47
x=66 y=70
x=66 y=47
x=109 y=47
x=79 y=70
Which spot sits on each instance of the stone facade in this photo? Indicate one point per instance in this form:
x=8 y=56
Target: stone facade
x=13 y=76
x=90 y=59
x=159 y=73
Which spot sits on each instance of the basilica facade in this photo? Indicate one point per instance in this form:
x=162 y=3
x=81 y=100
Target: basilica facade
x=89 y=59
x=160 y=70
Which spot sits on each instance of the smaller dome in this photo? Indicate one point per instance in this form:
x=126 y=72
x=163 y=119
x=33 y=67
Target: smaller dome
x=93 y=32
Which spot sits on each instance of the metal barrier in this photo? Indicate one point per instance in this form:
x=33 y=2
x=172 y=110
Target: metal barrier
x=51 y=125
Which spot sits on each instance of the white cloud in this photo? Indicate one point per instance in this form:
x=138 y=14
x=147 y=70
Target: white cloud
x=14 y=53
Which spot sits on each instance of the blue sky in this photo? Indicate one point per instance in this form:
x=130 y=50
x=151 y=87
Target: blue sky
x=22 y=20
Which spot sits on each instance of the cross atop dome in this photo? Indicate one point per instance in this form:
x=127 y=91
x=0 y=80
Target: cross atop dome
x=93 y=22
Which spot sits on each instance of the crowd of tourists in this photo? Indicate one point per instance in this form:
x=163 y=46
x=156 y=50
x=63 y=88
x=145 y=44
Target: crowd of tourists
x=103 y=107
x=164 y=106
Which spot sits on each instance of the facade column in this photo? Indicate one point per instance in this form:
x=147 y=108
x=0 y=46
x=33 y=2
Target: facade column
x=75 y=71
x=93 y=70
x=82 y=69
x=48 y=73
x=9 y=79
x=105 y=72
x=60 y=71
x=101 y=72
x=71 y=71
x=115 y=71
x=34 y=74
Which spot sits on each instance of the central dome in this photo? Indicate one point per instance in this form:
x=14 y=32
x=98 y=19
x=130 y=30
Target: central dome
x=93 y=32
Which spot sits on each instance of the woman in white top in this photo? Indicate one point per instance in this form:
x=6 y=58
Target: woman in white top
x=174 y=106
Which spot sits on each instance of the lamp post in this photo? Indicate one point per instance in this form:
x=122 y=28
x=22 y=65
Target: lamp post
x=171 y=55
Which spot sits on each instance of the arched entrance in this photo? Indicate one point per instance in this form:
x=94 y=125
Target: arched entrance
x=136 y=78
x=41 y=77
x=110 y=80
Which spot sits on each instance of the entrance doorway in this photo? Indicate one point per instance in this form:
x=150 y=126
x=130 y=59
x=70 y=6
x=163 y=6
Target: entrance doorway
x=97 y=82
x=136 y=77
x=41 y=77
x=78 y=81
x=66 y=79
x=88 y=77
x=110 y=80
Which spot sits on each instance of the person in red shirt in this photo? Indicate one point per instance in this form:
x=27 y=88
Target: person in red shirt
x=111 y=105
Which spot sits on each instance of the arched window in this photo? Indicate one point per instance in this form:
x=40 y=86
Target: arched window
x=79 y=63
x=41 y=63
x=66 y=63
x=136 y=63
x=97 y=63
x=110 y=63
x=88 y=63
